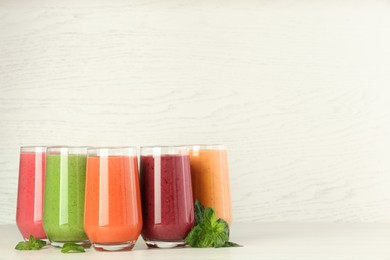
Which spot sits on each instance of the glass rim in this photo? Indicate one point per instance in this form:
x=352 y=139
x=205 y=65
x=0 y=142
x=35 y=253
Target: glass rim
x=67 y=146
x=112 y=151
x=206 y=146
x=161 y=146
x=163 y=150
x=33 y=146
x=33 y=149
x=110 y=147
x=69 y=149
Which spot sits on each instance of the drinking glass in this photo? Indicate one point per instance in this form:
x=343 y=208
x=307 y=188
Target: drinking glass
x=30 y=191
x=63 y=212
x=167 y=204
x=210 y=178
x=113 y=216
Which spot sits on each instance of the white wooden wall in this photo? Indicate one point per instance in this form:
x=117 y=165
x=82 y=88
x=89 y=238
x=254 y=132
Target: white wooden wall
x=299 y=91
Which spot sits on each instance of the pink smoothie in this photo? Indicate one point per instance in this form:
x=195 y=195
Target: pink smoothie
x=30 y=193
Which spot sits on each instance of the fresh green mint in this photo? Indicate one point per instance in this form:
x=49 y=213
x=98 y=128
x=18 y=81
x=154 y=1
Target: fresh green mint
x=231 y=244
x=31 y=244
x=208 y=231
x=72 y=248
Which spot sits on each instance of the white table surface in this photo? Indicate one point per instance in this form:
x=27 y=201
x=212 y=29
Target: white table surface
x=260 y=240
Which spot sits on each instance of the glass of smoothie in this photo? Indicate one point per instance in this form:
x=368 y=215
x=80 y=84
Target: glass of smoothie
x=210 y=178
x=29 y=209
x=113 y=215
x=166 y=193
x=63 y=210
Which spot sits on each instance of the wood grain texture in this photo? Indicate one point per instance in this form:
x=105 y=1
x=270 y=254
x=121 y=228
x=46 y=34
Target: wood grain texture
x=297 y=90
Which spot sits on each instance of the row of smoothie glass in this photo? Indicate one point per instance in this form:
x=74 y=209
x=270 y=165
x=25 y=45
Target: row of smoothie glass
x=94 y=195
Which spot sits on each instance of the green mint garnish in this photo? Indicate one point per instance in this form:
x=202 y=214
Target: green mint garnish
x=231 y=244
x=72 y=248
x=208 y=231
x=31 y=244
x=199 y=212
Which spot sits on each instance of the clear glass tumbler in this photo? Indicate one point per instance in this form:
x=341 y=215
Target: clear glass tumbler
x=167 y=204
x=63 y=212
x=113 y=216
x=210 y=178
x=30 y=191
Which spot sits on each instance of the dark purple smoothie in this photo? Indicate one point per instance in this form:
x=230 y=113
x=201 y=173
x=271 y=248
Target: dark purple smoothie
x=166 y=194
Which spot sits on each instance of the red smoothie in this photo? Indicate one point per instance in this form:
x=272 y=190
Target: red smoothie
x=167 y=204
x=30 y=192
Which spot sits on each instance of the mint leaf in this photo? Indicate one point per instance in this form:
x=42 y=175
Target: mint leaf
x=31 y=244
x=209 y=217
x=194 y=238
x=22 y=246
x=72 y=248
x=208 y=231
x=199 y=211
x=36 y=244
x=231 y=244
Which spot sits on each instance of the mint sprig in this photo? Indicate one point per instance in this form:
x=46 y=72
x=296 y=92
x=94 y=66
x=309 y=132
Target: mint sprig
x=208 y=231
x=199 y=212
x=31 y=244
x=72 y=248
x=231 y=244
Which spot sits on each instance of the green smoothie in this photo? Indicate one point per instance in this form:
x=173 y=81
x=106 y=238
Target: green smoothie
x=63 y=214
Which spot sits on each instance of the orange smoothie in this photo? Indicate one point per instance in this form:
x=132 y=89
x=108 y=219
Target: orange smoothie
x=210 y=179
x=112 y=200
